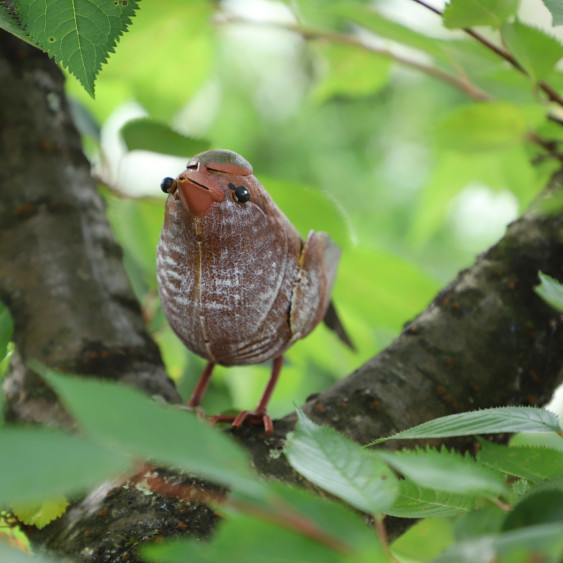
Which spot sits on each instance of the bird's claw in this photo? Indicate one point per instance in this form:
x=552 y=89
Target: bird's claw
x=246 y=417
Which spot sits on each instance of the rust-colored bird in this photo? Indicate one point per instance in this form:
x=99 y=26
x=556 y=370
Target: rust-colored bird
x=237 y=283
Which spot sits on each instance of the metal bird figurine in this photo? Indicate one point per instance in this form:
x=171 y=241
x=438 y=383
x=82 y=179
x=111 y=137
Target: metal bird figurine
x=237 y=283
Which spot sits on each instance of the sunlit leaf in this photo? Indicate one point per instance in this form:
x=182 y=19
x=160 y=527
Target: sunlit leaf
x=161 y=63
x=447 y=471
x=308 y=208
x=41 y=513
x=551 y=440
x=536 y=51
x=350 y=72
x=137 y=225
x=550 y=290
x=341 y=467
x=469 y=13
x=424 y=541
x=383 y=287
x=486 y=421
x=482 y=127
x=6 y=329
x=79 y=34
x=149 y=135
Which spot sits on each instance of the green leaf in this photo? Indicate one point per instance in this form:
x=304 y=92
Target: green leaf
x=6 y=330
x=309 y=208
x=137 y=225
x=146 y=134
x=542 y=506
x=469 y=13
x=486 y=421
x=327 y=515
x=257 y=533
x=424 y=541
x=415 y=501
x=14 y=555
x=482 y=127
x=447 y=471
x=485 y=520
x=456 y=170
x=129 y=422
x=387 y=289
x=531 y=463
x=536 y=51
x=40 y=514
x=351 y=72
x=79 y=34
x=551 y=440
x=10 y=24
x=527 y=544
x=341 y=467
x=369 y=19
x=244 y=538
x=556 y=9
x=33 y=468
x=550 y=290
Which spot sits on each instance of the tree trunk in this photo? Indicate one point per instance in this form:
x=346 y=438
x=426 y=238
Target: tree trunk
x=486 y=339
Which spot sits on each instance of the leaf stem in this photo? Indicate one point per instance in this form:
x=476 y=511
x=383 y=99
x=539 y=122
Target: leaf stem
x=552 y=94
x=382 y=535
x=309 y=34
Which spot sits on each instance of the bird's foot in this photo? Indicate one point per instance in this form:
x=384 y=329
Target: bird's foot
x=246 y=417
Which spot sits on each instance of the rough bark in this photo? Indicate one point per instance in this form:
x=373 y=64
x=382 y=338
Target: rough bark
x=60 y=269
x=485 y=340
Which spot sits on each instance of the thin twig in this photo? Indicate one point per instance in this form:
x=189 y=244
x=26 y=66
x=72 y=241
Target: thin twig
x=345 y=39
x=281 y=514
x=549 y=146
x=552 y=94
x=382 y=535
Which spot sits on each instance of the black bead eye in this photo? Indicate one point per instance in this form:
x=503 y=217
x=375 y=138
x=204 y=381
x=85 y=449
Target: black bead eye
x=242 y=194
x=166 y=184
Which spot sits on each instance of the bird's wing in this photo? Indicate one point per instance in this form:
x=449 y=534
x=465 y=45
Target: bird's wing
x=316 y=271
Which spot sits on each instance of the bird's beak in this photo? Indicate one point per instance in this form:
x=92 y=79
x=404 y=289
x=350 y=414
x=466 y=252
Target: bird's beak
x=196 y=197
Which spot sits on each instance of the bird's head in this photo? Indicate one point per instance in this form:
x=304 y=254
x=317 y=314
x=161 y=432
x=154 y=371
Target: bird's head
x=209 y=178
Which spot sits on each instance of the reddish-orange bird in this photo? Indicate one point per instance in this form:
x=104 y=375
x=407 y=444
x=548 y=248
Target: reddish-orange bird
x=237 y=282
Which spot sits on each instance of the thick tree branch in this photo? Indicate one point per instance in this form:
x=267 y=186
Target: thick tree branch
x=486 y=339
x=60 y=269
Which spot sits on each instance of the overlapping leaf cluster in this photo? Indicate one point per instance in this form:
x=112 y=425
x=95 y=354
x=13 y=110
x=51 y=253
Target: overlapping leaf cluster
x=495 y=123
x=78 y=34
x=508 y=486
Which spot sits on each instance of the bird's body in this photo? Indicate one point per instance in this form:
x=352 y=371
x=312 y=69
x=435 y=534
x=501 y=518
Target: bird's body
x=237 y=283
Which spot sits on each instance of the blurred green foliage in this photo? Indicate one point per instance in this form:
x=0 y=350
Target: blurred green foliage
x=315 y=97
x=410 y=142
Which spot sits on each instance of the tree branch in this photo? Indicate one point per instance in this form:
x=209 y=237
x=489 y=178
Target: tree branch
x=552 y=94
x=309 y=34
x=485 y=340
x=60 y=269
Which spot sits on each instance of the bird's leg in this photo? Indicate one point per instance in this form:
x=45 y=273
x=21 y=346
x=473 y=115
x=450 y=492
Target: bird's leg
x=201 y=386
x=260 y=415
